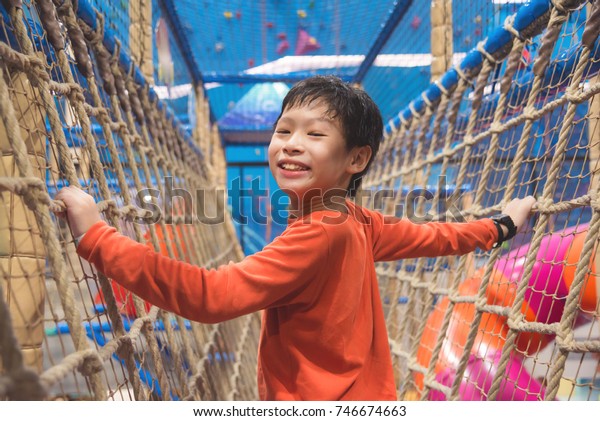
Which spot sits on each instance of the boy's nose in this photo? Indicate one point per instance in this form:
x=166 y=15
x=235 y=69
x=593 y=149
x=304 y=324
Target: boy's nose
x=292 y=149
x=293 y=145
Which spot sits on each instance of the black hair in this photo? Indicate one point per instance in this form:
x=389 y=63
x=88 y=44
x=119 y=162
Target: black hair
x=358 y=115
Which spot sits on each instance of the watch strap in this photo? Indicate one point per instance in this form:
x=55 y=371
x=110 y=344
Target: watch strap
x=504 y=220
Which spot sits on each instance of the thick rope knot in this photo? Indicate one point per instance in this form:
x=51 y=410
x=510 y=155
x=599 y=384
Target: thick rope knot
x=21 y=385
x=477 y=210
x=565 y=338
x=125 y=344
x=518 y=324
x=544 y=206
x=91 y=363
x=448 y=152
x=529 y=113
x=469 y=140
x=496 y=128
x=31 y=64
x=38 y=74
x=63 y=6
x=170 y=166
x=95 y=111
x=135 y=140
x=21 y=185
x=148 y=151
x=107 y=206
x=31 y=189
x=65 y=88
x=595 y=203
x=119 y=127
x=566 y=6
x=575 y=96
x=132 y=212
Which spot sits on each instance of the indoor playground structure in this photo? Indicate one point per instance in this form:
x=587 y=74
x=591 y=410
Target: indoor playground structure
x=140 y=101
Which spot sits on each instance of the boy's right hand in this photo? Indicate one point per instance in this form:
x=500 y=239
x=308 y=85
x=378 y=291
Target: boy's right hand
x=81 y=212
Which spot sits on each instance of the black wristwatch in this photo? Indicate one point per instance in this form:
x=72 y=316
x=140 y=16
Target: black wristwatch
x=507 y=221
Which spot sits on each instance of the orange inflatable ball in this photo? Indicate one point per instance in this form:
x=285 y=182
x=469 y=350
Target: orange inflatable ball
x=590 y=293
x=485 y=354
x=501 y=291
x=490 y=337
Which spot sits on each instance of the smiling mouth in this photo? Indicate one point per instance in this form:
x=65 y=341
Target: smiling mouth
x=293 y=167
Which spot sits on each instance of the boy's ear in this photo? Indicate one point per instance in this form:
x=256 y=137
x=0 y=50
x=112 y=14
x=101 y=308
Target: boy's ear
x=360 y=157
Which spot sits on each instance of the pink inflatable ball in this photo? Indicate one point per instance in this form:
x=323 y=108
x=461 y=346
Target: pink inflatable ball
x=547 y=291
x=517 y=385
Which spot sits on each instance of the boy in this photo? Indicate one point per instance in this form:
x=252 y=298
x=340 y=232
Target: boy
x=323 y=334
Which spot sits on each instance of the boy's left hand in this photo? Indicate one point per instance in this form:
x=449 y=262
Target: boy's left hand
x=81 y=211
x=519 y=211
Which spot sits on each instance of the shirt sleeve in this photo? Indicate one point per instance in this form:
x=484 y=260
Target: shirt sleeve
x=280 y=274
x=396 y=238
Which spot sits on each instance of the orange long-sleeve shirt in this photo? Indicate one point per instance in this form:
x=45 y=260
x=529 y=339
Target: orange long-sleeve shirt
x=323 y=334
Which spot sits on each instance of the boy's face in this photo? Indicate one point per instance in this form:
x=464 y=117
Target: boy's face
x=308 y=155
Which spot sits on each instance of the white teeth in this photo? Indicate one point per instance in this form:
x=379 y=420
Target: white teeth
x=292 y=167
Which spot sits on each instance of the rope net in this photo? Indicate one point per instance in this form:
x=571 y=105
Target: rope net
x=72 y=113
x=518 y=116
x=520 y=322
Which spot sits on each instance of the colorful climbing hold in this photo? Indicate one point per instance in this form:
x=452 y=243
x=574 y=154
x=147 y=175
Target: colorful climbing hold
x=228 y=15
x=269 y=25
x=281 y=35
x=219 y=46
x=306 y=43
x=415 y=22
x=283 y=46
x=301 y=13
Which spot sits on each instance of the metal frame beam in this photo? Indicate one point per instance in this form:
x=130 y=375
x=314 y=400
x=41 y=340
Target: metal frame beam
x=387 y=29
x=168 y=8
x=220 y=77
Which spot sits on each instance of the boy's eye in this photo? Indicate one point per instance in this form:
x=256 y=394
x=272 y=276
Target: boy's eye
x=316 y=134
x=282 y=131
